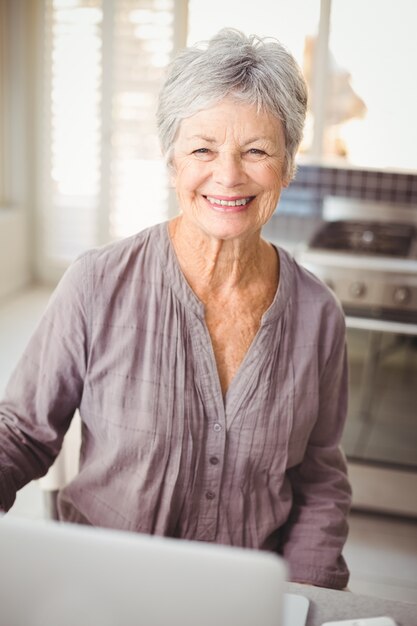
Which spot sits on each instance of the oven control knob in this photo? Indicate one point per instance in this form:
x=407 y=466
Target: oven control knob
x=402 y=295
x=357 y=289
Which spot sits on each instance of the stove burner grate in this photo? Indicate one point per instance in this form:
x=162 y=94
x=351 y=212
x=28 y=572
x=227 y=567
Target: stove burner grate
x=366 y=237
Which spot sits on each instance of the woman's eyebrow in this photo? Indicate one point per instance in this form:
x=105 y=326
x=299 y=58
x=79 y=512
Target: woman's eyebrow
x=257 y=138
x=203 y=138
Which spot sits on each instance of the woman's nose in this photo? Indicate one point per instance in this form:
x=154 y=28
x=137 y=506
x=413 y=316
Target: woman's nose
x=229 y=171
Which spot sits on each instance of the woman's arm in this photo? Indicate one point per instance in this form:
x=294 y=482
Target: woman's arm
x=45 y=389
x=317 y=528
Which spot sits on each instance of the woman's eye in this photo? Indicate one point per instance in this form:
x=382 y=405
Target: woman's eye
x=201 y=151
x=256 y=152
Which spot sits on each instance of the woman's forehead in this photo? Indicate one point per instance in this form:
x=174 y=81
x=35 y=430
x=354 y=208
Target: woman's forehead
x=231 y=118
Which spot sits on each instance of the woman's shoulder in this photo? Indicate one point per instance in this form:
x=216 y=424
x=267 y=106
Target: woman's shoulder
x=124 y=251
x=118 y=263
x=308 y=290
x=120 y=260
x=317 y=317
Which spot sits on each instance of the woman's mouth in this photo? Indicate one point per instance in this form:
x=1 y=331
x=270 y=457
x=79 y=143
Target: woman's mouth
x=228 y=205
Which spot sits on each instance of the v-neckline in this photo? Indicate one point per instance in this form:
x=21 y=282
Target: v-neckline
x=235 y=392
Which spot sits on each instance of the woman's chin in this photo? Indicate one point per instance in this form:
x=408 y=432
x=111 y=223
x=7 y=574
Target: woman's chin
x=228 y=230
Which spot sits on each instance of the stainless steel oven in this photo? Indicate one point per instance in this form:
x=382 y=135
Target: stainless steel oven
x=368 y=256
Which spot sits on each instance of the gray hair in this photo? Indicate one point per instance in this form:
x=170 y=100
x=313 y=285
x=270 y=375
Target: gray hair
x=258 y=71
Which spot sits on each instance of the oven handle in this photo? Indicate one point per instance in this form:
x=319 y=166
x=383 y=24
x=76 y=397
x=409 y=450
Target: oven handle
x=384 y=326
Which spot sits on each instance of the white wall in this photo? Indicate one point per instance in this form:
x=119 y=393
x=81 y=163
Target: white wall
x=17 y=242
x=14 y=251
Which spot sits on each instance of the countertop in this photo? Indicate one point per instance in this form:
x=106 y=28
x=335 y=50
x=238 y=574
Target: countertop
x=330 y=605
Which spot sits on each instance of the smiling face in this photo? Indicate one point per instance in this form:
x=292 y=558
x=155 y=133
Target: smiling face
x=228 y=164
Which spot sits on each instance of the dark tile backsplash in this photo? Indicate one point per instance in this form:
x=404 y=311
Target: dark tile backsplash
x=316 y=182
x=299 y=213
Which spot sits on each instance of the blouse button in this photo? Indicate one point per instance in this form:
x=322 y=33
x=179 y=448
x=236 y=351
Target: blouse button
x=214 y=460
x=217 y=427
x=210 y=495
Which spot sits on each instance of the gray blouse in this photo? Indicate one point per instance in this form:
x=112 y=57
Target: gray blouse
x=124 y=340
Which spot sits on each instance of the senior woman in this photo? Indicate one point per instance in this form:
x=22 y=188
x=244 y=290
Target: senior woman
x=208 y=367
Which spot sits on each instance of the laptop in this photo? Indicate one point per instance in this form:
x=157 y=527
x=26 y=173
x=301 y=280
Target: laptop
x=60 y=574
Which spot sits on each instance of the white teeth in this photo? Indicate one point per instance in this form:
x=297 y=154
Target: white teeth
x=240 y=202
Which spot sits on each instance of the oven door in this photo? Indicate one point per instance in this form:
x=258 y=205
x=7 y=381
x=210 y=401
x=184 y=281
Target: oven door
x=380 y=438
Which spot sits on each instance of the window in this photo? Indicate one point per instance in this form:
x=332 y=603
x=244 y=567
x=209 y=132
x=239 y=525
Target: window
x=143 y=43
x=358 y=58
x=103 y=173
x=72 y=128
x=371 y=86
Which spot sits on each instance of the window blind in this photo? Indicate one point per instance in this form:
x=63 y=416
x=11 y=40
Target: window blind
x=143 y=45
x=71 y=132
x=104 y=177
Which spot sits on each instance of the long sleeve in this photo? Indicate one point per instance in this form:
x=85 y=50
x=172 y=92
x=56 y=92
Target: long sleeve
x=44 y=389
x=317 y=528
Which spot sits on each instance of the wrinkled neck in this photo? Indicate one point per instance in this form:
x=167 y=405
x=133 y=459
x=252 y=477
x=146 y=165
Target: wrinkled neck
x=213 y=265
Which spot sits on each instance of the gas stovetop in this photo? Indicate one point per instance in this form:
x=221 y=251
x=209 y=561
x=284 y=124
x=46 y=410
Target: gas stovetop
x=366 y=237
x=370 y=265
